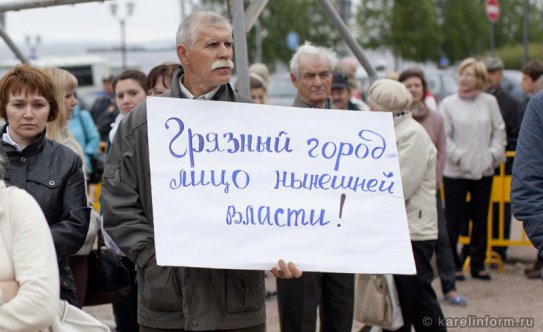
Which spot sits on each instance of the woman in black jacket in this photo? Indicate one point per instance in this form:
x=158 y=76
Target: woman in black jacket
x=51 y=172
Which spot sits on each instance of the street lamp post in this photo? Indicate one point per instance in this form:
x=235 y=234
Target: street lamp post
x=122 y=23
x=33 y=45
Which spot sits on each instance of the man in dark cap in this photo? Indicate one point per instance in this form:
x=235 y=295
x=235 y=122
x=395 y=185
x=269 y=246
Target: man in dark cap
x=341 y=93
x=510 y=110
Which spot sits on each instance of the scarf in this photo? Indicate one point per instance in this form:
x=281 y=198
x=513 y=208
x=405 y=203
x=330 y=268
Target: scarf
x=468 y=94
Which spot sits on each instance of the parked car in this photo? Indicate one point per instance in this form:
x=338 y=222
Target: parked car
x=441 y=83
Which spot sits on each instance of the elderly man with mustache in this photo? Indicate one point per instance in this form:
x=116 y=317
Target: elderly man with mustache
x=311 y=72
x=180 y=298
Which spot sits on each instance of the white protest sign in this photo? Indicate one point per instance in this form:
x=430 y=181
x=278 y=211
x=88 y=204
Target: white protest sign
x=242 y=185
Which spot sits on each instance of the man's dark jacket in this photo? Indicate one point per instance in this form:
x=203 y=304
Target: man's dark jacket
x=527 y=179
x=192 y=299
x=510 y=109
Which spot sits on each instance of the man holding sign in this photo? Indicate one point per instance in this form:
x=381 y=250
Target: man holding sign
x=311 y=71
x=180 y=298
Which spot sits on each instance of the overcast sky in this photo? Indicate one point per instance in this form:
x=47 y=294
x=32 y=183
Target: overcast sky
x=152 y=20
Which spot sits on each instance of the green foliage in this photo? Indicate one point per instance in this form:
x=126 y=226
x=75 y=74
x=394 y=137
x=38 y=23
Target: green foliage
x=510 y=27
x=374 y=19
x=465 y=29
x=512 y=55
x=419 y=30
x=305 y=17
x=415 y=34
x=423 y=29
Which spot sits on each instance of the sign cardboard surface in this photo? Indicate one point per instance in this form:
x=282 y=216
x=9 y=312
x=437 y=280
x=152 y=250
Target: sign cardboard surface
x=241 y=186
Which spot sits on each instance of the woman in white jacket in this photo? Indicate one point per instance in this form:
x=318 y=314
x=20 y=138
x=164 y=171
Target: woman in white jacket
x=29 y=280
x=475 y=147
x=417 y=159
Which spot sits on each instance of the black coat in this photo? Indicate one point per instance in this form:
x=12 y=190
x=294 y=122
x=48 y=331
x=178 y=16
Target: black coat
x=52 y=173
x=103 y=116
x=510 y=109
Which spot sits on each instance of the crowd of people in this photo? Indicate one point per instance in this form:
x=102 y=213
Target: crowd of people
x=51 y=151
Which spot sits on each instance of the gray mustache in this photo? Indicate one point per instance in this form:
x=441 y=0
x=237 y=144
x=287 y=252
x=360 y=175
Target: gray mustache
x=222 y=64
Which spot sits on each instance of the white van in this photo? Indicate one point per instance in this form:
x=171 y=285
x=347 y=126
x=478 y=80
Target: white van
x=88 y=69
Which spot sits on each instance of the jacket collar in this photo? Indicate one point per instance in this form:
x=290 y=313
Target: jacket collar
x=225 y=91
x=495 y=91
x=298 y=102
x=33 y=148
x=352 y=106
x=401 y=117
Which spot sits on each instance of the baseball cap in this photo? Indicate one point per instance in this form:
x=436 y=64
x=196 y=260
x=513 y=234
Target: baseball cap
x=340 y=81
x=493 y=63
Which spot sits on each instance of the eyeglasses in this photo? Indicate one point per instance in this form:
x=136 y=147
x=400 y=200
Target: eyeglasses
x=465 y=74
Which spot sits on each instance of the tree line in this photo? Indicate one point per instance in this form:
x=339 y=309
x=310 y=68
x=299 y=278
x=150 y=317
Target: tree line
x=422 y=30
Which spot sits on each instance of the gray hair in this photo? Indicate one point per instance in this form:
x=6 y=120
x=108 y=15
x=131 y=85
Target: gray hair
x=317 y=51
x=189 y=30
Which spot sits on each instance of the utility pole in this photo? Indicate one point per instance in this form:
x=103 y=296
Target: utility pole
x=330 y=11
x=240 y=45
x=33 y=45
x=183 y=9
x=525 y=32
x=122 y=22
x=258 y=53
x=492 y=41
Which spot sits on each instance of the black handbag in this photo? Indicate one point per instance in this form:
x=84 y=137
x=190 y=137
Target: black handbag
x=108 y=279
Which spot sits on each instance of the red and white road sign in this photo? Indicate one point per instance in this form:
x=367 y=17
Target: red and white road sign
x=492 y=10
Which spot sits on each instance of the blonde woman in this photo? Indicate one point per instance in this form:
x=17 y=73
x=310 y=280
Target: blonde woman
x=66 y=85
x=476 y=141
x=57 y=131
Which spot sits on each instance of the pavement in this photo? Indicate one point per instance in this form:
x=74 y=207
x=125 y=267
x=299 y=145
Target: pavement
x=508 y=298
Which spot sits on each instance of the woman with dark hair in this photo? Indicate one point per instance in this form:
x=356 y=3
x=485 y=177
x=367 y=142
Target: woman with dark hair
x=129 y=89
x=476 y=141
x=414 y=81
x=159 y=78
x=51 y=172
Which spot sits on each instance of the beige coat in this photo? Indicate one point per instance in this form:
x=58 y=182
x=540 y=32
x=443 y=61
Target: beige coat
x=27 y=255
x=417 y=157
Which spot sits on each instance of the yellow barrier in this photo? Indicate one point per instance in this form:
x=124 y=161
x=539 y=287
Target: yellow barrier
x=500 y=194
x=97 y=188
